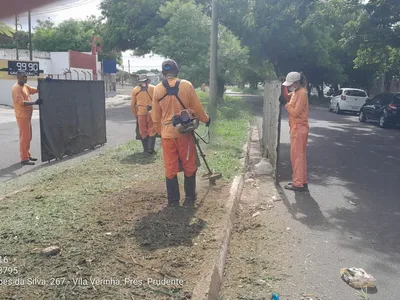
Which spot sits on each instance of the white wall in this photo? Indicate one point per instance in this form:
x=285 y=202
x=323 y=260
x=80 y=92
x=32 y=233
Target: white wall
x=5 y=88
x=60 y=61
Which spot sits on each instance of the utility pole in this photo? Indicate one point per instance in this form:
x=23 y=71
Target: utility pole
x=30 y=35
x=16 y=37
x=213 y=56
x=129 y=66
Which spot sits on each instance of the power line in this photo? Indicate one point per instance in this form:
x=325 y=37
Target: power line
x=52 y=10
x=65 y=7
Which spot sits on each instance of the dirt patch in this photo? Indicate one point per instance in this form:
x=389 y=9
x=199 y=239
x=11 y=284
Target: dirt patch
x=256 y=251
x=126 y=240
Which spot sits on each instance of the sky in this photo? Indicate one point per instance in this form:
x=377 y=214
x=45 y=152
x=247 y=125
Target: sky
x=80 y=9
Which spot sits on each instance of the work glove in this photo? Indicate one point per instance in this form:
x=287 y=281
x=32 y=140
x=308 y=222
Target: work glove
x=208 y=122
x=282 y=100
x=38 y=101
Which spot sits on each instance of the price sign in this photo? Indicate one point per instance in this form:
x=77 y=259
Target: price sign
x=31 y=68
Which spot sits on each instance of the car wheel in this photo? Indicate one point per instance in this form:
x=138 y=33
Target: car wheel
x=362 y=118
x=382 y=121
x=338 y=110
x=329 y=107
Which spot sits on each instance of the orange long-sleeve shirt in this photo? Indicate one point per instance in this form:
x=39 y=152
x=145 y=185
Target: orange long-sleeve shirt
x=140 y=100
x=21 y=94
x=163 y=111
x=298 y=107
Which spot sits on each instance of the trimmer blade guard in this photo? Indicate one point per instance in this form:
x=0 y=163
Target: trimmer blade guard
x=212 y=177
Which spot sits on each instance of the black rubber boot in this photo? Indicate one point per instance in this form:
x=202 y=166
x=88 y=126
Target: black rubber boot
x=173 y=192
x=190 y=190
x=305 y=186
x=145 y=143
x=151 y=144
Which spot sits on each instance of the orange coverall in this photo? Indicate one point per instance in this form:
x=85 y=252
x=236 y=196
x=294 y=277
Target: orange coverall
x=176 y=145
x=139 y=102
x=299 y=127
x=23 y=114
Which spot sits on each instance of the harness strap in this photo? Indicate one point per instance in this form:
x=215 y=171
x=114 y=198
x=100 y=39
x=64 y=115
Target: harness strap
x=172 y=91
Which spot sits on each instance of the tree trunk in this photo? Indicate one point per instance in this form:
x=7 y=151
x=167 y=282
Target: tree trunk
x=320 y=91
x=388 y=81
x=254 y=85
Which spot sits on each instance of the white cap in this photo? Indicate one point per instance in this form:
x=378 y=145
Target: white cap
x=291 y=78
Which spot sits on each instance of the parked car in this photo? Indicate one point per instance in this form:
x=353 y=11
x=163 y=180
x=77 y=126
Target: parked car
x=348 y=99
x=384 y=108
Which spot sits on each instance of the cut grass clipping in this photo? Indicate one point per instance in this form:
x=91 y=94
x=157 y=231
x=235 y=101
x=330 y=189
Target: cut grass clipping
x=63 y=205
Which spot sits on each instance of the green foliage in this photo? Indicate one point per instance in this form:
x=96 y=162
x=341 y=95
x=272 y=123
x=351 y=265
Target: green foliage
x=68 y=35
x=228 y=135
x=73 y=35
x=186 y=39
x=131 y=23
x=10 y=42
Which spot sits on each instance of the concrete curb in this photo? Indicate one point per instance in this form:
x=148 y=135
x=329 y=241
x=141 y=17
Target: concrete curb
x=209 y=286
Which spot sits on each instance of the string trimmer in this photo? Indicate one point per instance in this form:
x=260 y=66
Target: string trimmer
x=211 y=176
x=186 y=123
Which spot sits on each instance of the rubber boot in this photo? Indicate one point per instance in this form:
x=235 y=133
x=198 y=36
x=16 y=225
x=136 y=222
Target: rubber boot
x=151 y=144
x=190 y=190
x=173 y=192
x=145 y=143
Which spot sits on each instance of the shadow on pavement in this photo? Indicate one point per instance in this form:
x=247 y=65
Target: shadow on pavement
x=10 y=171
x=41 y=165
x=354 y=174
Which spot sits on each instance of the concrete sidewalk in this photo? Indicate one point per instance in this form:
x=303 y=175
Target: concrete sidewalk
x=256 y=250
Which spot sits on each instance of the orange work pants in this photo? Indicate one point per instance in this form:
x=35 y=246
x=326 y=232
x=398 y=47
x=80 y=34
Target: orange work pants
x=177 y=150
x=298 y=145
x=145 y=126
x=25 y=137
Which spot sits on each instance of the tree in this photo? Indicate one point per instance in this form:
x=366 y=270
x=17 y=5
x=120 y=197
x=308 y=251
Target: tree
x=186 y=38
x=130 y=24
x=72 y=35
x=142 y=71
x=375 y=34
x=68 y=35
x=10 y=42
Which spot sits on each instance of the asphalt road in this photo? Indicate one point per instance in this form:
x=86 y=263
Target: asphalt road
x=351 y=218
x=120 y=128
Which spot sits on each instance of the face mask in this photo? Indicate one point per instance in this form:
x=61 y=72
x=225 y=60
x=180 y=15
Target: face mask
x=291 y=88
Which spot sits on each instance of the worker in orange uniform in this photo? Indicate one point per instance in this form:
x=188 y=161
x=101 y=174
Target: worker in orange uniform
x=141 y=102
x=23 y=112
x=174 y=100
x=296 y=104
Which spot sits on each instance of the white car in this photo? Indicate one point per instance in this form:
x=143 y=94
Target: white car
x=348 y=99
